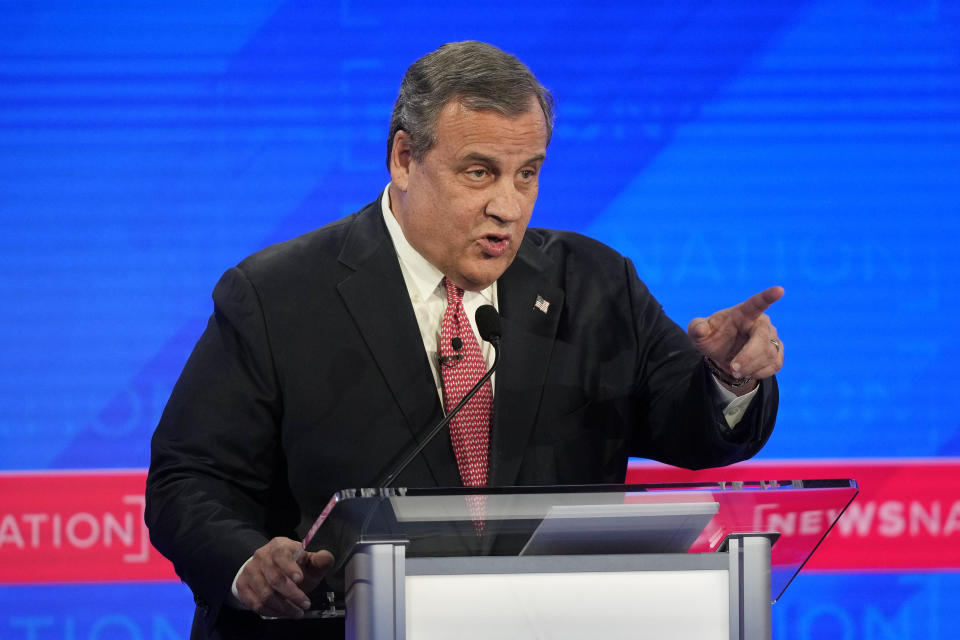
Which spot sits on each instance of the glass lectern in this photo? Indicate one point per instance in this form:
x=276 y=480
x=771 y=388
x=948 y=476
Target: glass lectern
x=680 y=561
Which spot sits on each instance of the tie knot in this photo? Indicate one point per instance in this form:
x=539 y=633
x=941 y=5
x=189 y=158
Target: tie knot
x=454 y=293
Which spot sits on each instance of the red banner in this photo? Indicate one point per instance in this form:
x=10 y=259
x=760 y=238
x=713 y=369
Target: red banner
x=907 y=515
x=76 y=527
x=87 y=526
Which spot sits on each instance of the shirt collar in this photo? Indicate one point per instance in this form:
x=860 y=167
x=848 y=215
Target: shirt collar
x=423 y=278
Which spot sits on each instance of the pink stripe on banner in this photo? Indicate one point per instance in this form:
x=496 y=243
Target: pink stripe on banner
x=83 y=526
x=87 y=526
x=907 y=515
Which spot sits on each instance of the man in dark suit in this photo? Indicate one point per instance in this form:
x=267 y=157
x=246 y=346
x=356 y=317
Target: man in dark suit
x=329 y=355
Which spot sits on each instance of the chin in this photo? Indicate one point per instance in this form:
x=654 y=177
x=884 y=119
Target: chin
x=480 y=273
x=480 y=281
x=473 y=280
x=476 y=284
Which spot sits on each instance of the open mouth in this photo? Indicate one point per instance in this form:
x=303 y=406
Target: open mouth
x=494 y=245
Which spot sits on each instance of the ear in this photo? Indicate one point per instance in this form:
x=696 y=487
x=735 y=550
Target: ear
x=400 y=158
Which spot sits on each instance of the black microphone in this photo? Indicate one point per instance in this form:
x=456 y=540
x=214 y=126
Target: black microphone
x=488 y=325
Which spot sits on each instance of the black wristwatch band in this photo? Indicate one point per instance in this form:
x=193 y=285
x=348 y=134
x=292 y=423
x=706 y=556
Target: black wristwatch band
x=723 y=376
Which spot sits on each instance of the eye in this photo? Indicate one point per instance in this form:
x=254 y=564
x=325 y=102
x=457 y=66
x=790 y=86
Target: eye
x=479 y=174
x=527 y=174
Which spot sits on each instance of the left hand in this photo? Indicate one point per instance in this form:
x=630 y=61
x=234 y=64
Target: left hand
x=274 y=582
x=741 y=339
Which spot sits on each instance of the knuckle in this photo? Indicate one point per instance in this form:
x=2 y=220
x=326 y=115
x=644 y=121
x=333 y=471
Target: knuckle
x=264 y=593
x=248 y=597
x=255 y=600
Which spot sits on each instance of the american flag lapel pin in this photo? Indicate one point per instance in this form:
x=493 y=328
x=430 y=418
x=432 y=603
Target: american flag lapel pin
x=541 y=304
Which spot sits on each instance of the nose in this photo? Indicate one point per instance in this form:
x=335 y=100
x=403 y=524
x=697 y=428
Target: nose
x=506 y=203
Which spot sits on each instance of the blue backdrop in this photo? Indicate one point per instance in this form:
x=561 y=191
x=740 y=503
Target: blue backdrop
x=725 y=146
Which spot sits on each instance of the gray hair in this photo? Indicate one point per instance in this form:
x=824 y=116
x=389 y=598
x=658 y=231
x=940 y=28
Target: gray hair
x=480 y=76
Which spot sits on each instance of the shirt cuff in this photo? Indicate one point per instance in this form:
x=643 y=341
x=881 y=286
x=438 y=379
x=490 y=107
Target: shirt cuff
x=234 y=598
x=732 y=405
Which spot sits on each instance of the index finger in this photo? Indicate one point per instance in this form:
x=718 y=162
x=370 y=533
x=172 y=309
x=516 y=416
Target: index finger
x=285 y=559
x=755 y=305
x=284 y=580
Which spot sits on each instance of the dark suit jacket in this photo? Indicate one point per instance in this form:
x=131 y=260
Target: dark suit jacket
x=311 y=377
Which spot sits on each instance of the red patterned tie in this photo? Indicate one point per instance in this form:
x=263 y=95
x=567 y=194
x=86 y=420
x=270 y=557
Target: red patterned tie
x=470 y=428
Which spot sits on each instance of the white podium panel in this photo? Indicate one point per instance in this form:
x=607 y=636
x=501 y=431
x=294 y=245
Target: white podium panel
x=681 y=605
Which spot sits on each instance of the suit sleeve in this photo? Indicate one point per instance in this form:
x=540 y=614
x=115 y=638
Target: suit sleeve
x=210 y=489
x=685 y=425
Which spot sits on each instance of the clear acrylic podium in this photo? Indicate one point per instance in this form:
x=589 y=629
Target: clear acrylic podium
x=700 y=561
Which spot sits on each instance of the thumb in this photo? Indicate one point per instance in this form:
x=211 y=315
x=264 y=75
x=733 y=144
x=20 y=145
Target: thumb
x=315 y=566
x=699 y=329
x=318 y=560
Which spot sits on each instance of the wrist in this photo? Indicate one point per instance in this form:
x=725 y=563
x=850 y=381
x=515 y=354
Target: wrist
x=735 y=384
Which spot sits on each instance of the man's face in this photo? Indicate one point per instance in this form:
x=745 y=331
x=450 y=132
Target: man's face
x=466 y=207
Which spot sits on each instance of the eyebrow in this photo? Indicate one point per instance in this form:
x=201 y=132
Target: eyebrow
x=485 y=159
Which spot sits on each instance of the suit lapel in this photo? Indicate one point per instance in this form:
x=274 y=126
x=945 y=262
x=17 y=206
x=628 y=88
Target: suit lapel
x=372 y=295
x=529 y=333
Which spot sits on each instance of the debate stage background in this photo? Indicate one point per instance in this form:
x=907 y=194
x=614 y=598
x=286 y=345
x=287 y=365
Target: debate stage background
x=725 y=146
